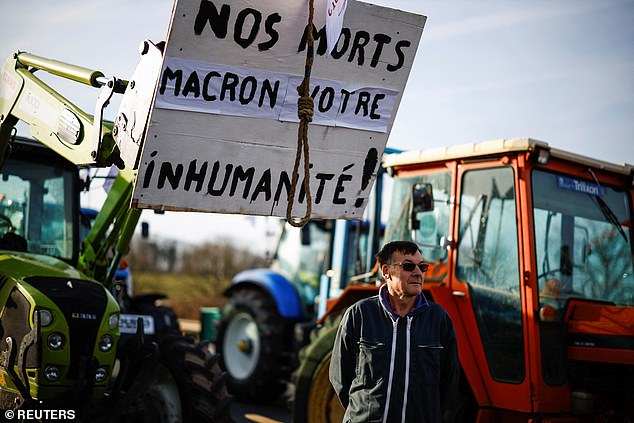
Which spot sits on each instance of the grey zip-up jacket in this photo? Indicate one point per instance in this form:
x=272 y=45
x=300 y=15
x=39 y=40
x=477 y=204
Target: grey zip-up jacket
x=386 y=368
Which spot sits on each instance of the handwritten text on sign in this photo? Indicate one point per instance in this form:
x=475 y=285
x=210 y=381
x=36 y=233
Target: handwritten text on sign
x=223 y=131
x=228 y=90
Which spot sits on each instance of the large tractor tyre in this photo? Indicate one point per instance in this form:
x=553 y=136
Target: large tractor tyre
x=159 y=402
x=315 y=400
x=201 y=382
x=252 y=340
x=187 y=386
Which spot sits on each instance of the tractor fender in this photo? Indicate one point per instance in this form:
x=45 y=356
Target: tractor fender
x=277 y=286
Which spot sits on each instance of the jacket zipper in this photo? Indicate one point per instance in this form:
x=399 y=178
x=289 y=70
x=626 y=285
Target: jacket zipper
x=407 y=357
x=389 y=381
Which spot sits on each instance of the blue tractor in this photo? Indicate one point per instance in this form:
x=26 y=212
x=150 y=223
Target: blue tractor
x=270 y=312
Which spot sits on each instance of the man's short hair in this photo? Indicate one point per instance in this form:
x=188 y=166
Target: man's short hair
x=407 y=247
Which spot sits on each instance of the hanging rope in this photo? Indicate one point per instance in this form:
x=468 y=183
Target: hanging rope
x=305 y=108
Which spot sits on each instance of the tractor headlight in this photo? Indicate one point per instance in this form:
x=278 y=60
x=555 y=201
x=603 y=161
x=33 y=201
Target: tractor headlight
x=105 y=343
x=55 y=341
x=51 y=373
x=113 y=321
x=46 y=318
x=100 y=375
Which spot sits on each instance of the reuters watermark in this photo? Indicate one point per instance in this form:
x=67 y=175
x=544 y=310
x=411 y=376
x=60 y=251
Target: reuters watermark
x=40 y=414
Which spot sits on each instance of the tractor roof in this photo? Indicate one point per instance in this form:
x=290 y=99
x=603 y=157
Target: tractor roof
x=494 y=147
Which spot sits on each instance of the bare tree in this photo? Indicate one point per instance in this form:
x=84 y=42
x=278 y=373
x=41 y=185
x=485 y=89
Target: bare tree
x=220 y=259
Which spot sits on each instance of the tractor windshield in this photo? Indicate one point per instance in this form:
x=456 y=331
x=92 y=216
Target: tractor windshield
x=433 y=225
x=302 y=256
x=36 y=208
x=583 y=240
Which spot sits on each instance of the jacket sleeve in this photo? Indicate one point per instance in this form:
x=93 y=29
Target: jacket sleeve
x=450 y=366
x=342 y=363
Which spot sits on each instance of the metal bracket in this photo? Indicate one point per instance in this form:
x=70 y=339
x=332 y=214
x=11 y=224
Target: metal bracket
x=133 y=116
x=104 y=99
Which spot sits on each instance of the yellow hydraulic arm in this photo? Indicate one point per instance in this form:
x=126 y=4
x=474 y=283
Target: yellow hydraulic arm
x=54 y=120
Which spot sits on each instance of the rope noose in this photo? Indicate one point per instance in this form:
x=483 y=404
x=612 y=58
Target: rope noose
x=305 y=108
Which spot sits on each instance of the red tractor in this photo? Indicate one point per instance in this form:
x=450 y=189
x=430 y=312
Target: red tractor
x=531 y=253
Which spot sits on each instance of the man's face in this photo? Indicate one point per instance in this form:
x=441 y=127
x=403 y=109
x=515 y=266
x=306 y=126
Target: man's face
x=400 y=282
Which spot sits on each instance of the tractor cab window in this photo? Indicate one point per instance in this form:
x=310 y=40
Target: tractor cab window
x=583 y=242
x=36 y=208
x=488 y=262
x=356 y=248
x=302 y=256
x=433 y=225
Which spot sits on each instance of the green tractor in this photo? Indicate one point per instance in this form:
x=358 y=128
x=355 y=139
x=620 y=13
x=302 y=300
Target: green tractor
x=67 y=340
x=51 y=342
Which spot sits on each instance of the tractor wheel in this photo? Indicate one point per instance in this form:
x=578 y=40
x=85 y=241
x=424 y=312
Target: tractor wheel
x=187 y=386
x=251 y=340
x=315 y=399
x=160 y=402
x=201 y=382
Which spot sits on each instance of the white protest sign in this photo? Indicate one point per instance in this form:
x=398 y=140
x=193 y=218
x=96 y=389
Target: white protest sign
x=223 y=130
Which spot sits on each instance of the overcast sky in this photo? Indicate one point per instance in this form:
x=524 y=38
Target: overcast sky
x=561 y=71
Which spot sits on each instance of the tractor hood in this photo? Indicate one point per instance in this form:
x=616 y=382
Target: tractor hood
x=21 y=265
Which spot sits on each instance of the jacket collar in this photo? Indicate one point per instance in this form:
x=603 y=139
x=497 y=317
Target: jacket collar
x=421 y=302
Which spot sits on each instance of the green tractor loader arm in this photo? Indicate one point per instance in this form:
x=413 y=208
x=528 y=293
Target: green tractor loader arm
x=53 y=119
x=109 y=238
x=80 y=138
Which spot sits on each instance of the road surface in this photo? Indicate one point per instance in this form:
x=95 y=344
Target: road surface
x=252 y=413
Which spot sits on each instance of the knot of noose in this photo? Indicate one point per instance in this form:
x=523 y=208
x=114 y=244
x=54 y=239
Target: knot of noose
x=305 y=109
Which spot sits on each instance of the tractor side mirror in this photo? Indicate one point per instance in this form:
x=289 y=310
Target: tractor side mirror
x=422 y=201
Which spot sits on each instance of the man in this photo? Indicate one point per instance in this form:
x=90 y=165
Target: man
x=395 y=356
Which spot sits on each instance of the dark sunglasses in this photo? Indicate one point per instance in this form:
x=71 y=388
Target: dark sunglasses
x=408 y=266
